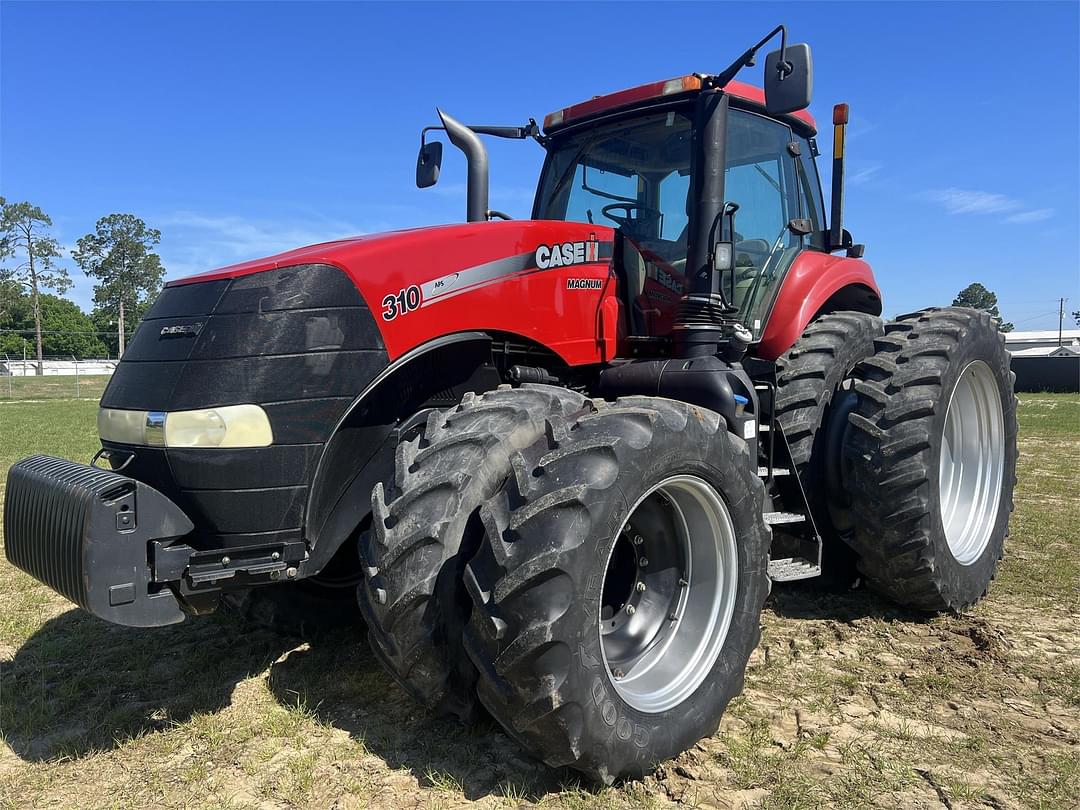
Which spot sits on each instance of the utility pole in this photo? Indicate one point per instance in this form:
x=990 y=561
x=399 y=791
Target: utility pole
x=1061 y=317
x=120 y=331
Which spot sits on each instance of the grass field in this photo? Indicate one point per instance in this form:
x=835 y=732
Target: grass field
x=849 y=702
x=58 y=387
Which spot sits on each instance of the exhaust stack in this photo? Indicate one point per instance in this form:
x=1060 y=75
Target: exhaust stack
x=476 y=154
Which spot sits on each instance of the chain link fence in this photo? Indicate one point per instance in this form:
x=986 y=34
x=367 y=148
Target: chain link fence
x=54 y=378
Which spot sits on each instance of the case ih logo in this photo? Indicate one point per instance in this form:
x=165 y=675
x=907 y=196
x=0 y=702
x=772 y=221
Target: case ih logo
x=548 y=256
x=184 y=330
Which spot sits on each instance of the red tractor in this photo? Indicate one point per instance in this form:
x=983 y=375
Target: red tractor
x=560 y=460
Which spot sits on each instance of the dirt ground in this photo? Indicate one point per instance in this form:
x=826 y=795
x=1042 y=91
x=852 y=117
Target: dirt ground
x=849 y=702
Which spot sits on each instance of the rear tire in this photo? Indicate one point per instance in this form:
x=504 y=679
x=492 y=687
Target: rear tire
x=931 y=458
x=812 y=391
x=423 y=531
x=562 y=664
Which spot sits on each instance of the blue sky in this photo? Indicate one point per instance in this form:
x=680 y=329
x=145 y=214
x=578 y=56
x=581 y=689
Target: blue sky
x=242 y=129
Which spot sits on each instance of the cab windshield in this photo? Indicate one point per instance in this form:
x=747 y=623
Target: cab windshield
x=634 y=175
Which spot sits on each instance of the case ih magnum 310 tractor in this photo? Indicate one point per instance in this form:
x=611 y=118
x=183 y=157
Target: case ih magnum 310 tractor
x=559 y=461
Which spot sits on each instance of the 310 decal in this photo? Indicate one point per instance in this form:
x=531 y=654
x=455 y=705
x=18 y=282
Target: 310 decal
x=401 y=303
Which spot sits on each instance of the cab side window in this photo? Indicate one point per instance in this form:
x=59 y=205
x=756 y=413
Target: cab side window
x=761 y=176
x=810 y=191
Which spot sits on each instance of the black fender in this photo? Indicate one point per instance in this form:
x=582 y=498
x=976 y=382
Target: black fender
x=360 y=451
x=851 y=298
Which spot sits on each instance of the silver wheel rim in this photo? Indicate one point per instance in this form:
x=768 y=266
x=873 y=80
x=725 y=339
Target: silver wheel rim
x=669 y=593
x=972 y=463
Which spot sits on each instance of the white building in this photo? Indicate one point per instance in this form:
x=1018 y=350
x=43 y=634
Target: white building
x=56 y=368
x=1043 y=343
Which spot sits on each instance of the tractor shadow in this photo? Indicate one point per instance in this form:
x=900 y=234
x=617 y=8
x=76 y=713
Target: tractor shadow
x=343 y=685
x=79 y=685
x=811 y=599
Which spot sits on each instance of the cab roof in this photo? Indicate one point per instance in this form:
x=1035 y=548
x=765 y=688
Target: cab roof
x=680 y=85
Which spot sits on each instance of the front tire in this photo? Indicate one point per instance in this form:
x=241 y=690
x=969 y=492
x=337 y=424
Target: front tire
x=423 y=530
x=618 y=590
x=931 y=458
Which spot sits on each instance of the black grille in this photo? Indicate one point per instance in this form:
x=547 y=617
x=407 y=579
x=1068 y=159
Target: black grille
x=300 y=341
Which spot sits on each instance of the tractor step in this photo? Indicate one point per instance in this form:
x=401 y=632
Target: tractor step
x=777 y=518
x=792 y=568
x=763 y=472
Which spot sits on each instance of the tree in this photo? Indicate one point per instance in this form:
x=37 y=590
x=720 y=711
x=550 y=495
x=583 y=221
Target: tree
x=24 y=235
x=69 y=330
x=10 y=296
x=65 y=329
x=118 y=254
x=977 y=296
x=1076 y=316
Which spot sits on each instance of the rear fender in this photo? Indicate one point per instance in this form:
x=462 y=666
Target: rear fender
x=817 y=283
x=360 y=452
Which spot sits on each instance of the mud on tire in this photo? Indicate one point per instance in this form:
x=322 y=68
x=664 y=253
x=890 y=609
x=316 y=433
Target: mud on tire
x=539 y=585
x=904 y=462
x=423 y=530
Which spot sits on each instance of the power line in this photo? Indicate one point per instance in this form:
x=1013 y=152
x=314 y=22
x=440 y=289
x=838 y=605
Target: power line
x=1036 y=317
x=60 y=332
x=1061 y=316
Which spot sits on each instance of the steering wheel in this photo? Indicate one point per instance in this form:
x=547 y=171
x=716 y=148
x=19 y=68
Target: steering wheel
x=627 y=220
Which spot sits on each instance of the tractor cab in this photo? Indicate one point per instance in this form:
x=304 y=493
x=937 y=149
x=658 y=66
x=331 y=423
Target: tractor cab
x=631 y=168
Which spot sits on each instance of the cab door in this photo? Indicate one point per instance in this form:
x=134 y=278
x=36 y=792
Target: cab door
x=761 y=175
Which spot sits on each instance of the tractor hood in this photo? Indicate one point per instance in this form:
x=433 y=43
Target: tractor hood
x=542 y=280
x=469 y=241
x=302 y=335
x=322 y=252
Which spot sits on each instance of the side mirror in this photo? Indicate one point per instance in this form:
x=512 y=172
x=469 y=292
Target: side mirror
x=788 y=87
x=427 y=164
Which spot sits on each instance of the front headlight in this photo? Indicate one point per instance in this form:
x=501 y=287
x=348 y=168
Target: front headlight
x=224 y=426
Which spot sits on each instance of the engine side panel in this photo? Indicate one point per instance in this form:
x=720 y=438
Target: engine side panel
x=813 y=280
